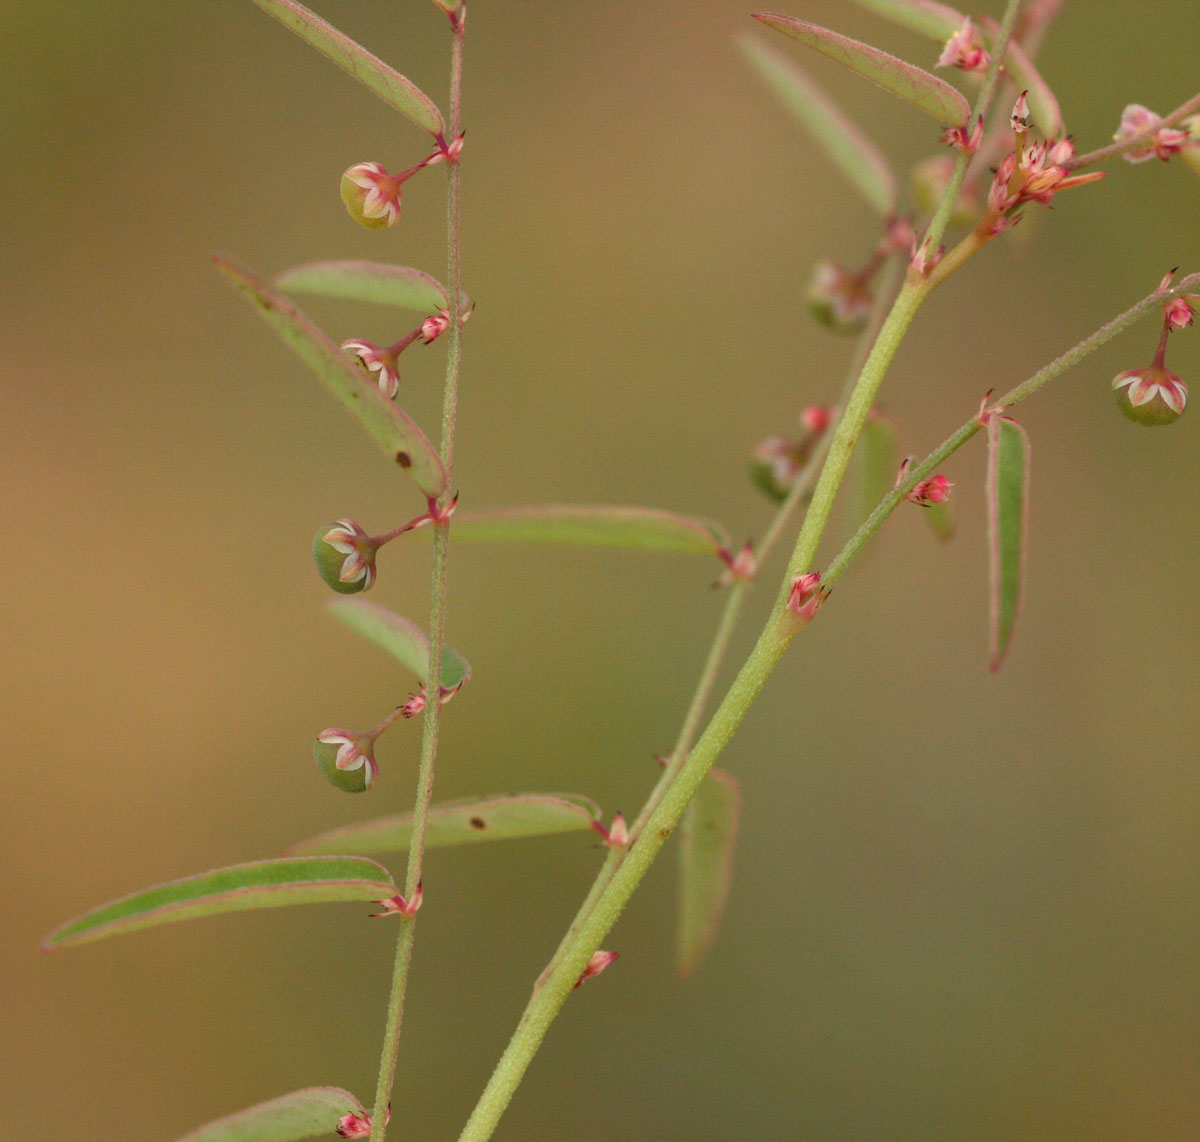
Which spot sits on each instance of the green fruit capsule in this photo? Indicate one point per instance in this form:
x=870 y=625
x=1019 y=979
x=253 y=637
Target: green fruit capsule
x=345 y=556
x=359 y=775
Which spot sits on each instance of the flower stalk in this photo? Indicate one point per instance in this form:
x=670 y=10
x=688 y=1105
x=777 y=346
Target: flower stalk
x=432 y=713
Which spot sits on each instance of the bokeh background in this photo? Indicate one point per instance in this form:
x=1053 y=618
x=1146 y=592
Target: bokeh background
x=965 y=905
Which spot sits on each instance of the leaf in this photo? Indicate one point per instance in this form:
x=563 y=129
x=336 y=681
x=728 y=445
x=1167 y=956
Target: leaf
x=925 y=17
x=392 y=87
x=260 y=884
x=1007 y=497
x=851 y=151
x=469 y=821
x=392 y=429
x=905 y=80
x=708 y=836
x=401 y=638
x=875 y=466
x=593 y=525
x=401 y=286
x=308 y=1113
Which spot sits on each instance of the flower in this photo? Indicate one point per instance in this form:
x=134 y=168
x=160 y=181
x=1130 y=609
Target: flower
x=1036 y=176
x=806 y=596
x=433 y=327
x=371 y=195
x=595 y=965
x=354 y=1126
x=935 y=490
x=1178 y=313
x=345 y=556
x=1150 y=396
x=965 y=50
x=347 y=759
x=1163 y=143
x=383 y=362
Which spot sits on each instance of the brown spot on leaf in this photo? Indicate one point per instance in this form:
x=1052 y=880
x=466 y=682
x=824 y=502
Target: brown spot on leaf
x=404 y=459
x=478 y=823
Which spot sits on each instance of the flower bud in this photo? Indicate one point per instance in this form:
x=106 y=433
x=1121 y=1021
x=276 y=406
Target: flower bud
x=345 y=556
x=838 y=299
x=1150 y=396
x=346 y=759
x=371 y=195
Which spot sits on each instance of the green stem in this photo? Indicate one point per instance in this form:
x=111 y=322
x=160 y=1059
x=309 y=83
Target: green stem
x=437 y=615
x=1025 y=389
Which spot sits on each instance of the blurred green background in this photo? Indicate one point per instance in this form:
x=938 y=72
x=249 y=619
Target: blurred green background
x=965 y=905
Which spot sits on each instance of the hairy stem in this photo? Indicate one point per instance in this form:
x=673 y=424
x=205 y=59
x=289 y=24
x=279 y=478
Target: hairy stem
x=437 y=612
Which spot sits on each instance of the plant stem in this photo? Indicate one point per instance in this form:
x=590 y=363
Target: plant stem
x=1025 y=389
x=437 y=611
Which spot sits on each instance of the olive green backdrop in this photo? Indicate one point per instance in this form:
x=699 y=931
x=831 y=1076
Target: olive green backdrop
x=965 y=905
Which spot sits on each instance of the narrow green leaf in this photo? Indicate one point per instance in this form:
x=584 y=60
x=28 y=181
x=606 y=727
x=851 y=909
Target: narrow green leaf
x=906 y=81
x=1043 y=105
x=469 y=821
x=401 y=286
x=392 y=87
x=874 y=467
x=1008 y=497
x=851 y=151
x=260 y=884
x=708 y=835
x=925 y=17
x=597 y=525
x=401 y=638
x=392 y=429
x=309 y=1113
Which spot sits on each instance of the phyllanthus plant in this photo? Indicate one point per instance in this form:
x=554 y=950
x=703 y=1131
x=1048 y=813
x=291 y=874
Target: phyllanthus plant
x=1006 y=151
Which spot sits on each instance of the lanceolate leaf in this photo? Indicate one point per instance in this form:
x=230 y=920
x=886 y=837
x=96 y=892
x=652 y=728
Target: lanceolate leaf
x=309 y=1113
x=393 y=88
x=597 y=525
x=707 y=839
x=498 y=818
x=392 y=429
x=401 y=638
x=377 y=282
x=1007 y=496
x=905 y=80
x=260 y=884
x=925 y=17
x=853 y=153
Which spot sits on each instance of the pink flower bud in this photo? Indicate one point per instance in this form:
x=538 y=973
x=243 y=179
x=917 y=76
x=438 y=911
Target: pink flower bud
x=816 y=418
x=616 y=836
x=372 y=196
x=598 y=962
x=935 y=490
x=354 y=1126
x=384 y=363
x=345 y=556
x=806 y=596
x=1178 y=313
x=346 y=759
x=965 y=50
x=1162 y=144
x=433 y=327
x=1150 y=396
x=1020 y=113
